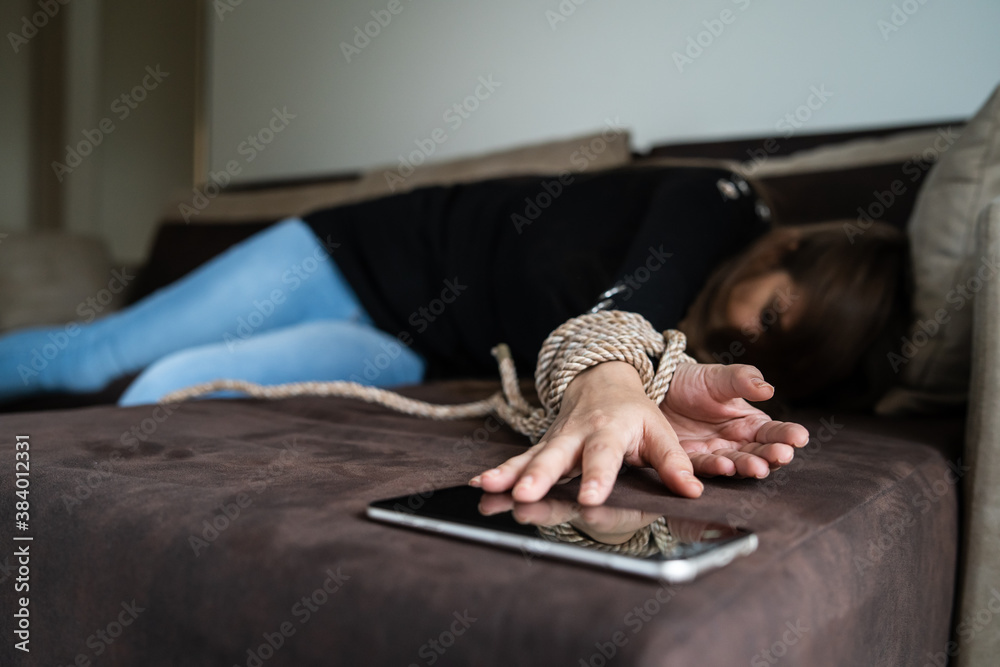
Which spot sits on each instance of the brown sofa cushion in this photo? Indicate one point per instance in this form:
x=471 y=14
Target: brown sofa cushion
x=217 y=519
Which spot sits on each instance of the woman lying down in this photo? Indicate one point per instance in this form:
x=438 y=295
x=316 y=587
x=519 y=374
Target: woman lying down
x=422 y=285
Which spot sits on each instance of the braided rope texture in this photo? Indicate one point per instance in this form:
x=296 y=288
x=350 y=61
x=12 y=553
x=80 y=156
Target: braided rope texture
x=573 y=347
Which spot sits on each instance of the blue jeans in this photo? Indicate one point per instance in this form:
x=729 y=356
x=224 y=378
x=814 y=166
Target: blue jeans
x=272 y=309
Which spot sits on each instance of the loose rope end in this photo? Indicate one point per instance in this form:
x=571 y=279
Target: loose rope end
x=574 y=346
x=502 y=353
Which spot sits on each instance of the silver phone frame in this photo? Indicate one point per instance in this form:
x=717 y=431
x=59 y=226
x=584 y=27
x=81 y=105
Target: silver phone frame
x=676 y=571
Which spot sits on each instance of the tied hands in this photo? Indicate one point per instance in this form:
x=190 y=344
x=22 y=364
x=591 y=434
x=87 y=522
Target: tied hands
x=704 y=427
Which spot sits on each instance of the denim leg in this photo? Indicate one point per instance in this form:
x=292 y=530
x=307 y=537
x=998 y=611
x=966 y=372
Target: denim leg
x=321 y=351
x=278 y=277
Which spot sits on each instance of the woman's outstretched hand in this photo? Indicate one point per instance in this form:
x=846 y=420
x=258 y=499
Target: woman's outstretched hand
x=704 y=426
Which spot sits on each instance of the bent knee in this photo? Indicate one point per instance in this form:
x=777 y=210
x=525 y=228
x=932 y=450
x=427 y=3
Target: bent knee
x=172 y=372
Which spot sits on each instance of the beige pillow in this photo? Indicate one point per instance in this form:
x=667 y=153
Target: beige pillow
x=600 y=150
x=864 y=152
x=981 y=567
x=934 y=360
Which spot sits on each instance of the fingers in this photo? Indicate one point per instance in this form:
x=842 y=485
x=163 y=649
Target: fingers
x=791 y=433
x=557 y=457
x=663 y=452
x=531 y=475
x=746 y=382
x=731 y=462
x=534 y=472
x=708 y=464
x=602 y=459
x=776 y=454
x=503 y=477
x=747 y=465
x=754 y=460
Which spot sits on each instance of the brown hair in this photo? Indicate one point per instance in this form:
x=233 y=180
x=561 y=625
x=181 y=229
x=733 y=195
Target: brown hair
x=855 y=290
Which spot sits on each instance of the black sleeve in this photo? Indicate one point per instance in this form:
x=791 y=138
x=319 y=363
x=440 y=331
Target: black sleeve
x=693 y=224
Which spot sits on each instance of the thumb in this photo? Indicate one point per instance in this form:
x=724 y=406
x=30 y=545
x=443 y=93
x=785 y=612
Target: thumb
x=662 y=450
x=740 y=381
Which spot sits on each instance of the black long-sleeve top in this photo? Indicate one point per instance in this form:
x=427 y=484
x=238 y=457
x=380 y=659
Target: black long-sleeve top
x=455 y=270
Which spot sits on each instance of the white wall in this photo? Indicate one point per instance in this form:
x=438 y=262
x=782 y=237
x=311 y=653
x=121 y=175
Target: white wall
x=15 y=72
x=607 y=59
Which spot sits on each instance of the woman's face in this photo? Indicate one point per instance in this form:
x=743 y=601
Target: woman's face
x=760 y=303
x=745 y=298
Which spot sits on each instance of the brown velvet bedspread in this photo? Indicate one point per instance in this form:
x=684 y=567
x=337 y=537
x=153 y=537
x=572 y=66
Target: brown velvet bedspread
x=856 y=562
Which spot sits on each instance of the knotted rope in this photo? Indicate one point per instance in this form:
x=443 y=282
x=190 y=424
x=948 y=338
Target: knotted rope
x=575 y=346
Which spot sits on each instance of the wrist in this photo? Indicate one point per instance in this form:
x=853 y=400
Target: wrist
x=616 y=375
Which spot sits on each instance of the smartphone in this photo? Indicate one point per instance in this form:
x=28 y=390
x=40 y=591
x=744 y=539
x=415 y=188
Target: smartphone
x=668 y=548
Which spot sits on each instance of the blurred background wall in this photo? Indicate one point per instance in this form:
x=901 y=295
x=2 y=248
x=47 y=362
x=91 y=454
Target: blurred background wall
x=357 y=83
x=65 y=65
x=364 y=92
x=15 y=75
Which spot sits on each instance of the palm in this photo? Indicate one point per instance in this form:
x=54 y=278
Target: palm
x=702 y=417
x=713 y=423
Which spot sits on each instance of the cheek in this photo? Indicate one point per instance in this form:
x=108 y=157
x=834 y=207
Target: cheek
x=740 y=312
x=734 y=315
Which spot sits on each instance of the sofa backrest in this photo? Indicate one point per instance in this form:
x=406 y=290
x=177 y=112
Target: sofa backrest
x=804 y=179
